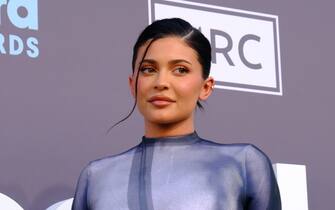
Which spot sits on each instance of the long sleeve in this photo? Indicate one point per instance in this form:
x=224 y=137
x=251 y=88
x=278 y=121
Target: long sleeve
x=262 y=192
x=80 y=197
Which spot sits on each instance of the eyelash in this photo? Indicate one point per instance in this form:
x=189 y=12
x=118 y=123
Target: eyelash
x=144 y=68
x=185 y=70
x=178 y=70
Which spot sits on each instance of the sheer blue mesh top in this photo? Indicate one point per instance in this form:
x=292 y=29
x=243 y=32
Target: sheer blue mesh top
x=180 y=173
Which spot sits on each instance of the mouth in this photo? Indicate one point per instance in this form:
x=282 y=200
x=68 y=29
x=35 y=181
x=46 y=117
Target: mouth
x=161 y=101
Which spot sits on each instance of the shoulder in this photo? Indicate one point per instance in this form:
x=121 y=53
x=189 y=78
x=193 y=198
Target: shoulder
x=261 y=186
x=257 y=164
x=242 y=148
x=245 y=153
x=250 y=151
x=111 y=161
x=256 y=155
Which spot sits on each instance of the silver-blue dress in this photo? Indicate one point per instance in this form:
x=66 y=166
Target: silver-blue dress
x=180 y=173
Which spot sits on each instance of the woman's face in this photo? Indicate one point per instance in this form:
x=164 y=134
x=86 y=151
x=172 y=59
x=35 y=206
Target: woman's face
x=170 y=81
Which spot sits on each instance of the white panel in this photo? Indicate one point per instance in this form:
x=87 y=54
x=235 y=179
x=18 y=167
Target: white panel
x=292 y=183
x=8 y=203
x=62 y=205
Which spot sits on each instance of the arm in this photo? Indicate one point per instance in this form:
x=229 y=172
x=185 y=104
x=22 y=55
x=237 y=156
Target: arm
x=262 y=192
x=80 y=197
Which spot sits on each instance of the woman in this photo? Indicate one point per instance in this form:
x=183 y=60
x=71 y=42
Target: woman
x=172 y=167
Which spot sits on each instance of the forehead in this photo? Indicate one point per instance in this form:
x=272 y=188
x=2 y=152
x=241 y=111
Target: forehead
x=166 y=49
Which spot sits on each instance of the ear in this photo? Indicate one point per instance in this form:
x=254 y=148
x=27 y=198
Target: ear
x=131 y=85
x=207 y=88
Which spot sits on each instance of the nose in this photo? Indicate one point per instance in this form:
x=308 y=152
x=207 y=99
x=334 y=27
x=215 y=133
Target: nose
x=162 y=82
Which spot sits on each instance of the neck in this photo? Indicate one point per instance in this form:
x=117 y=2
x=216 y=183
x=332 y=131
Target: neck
x=153 y=130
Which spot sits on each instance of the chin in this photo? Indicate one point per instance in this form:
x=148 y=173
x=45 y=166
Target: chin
x=166 y=118
x=162 y=119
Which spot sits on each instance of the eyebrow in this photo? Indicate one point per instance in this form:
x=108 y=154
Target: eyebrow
x=152 y=61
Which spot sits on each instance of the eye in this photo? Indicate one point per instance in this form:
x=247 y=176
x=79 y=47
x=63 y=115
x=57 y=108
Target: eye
x=147 y=70
x=181 y=70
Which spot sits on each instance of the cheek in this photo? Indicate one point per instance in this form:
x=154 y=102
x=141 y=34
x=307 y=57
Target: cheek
x=143 y=85
x=143 y=91
x=189 y=89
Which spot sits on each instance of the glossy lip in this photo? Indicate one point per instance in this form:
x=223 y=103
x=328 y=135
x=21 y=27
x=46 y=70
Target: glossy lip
x=160 y=100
